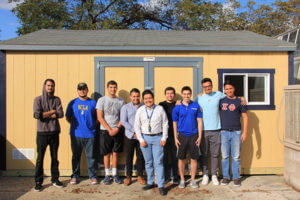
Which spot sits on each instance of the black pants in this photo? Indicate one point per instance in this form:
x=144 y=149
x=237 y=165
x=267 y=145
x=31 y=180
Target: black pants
x=42 y=142
x=132 y=144
x=170 y=149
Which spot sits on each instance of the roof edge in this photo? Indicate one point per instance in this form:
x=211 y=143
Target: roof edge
x=150 y=48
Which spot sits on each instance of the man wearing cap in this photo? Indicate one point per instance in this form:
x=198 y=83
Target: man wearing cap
x=81 y=113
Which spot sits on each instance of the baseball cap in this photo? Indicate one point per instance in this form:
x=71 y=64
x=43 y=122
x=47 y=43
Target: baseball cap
x=81 y=86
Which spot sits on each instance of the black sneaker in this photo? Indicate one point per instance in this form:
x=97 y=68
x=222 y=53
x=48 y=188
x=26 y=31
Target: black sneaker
x=38 y=187
x=167 y=180
x=106 y=180
x=225 y=181
x=57 y=184
x=117 y=179
x=237 y=182
x=148 y=187
x=162 y=191
x=175 y=181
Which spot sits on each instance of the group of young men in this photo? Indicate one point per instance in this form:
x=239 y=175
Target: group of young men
x=158 y=133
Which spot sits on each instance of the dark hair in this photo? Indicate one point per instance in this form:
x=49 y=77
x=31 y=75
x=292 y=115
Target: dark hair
x=169 y=88
x=148 y=92
x=112 y=82
x=186 y=88
x=227 y=82
x=134 y=90
x=206 y=80
x=50 y=80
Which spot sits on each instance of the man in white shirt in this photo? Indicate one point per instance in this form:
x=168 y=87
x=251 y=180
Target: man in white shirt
x=151 y=128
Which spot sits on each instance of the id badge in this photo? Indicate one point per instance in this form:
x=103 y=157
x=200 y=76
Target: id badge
x=149 y=128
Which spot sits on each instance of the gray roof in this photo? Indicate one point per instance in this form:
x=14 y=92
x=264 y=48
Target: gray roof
x=145 y=40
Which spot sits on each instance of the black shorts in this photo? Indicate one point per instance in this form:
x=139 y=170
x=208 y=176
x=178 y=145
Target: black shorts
x=109 y=144
x=188 y=143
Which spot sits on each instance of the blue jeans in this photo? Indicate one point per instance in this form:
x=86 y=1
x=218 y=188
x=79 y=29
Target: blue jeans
x=77 y=144
x=231 y=143
x=154 y=152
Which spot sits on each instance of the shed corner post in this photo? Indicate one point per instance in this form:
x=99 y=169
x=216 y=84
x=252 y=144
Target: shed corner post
x=2 y=110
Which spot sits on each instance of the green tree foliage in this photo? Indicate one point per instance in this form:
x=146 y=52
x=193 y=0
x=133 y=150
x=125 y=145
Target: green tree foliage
x=261 y=18
x=87 y=14
x=34 y=15
x=212 y=15
x=197 y=14
x=271 y=19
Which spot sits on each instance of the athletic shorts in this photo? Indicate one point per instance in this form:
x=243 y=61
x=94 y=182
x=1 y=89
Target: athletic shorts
x=188 y=143
x=109 y=144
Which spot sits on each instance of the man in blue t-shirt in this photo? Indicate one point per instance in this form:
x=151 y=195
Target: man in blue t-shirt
x=231 y=134
x=187 y=123
x=81 y=113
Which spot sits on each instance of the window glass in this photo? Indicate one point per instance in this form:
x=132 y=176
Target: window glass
x=256 y=85
x=285 y=37
x=256 y=89
x=293 y=36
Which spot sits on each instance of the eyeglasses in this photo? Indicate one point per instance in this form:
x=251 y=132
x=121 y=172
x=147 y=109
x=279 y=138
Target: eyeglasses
x=209 y=86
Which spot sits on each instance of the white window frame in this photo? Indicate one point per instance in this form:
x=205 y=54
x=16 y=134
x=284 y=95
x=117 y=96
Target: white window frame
x=245 y=78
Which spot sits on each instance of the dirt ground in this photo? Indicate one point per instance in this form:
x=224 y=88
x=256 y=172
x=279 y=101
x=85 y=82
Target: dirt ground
x=253 y=187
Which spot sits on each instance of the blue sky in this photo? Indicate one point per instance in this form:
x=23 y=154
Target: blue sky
x=9 y=23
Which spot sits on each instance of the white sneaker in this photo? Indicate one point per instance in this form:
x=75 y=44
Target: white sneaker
x=215 y=180
x=181 y=184
x=193 y=184
x=205 y=180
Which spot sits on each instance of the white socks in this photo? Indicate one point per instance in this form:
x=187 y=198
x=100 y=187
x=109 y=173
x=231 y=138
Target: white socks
x=107 y=173
x=114 y=172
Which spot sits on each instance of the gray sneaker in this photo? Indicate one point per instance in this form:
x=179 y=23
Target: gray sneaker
x=193 y=184
x=181 y=184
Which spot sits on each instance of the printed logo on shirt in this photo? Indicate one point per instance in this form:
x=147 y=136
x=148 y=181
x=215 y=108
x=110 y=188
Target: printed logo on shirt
x=224 y=106
x=194 y=108
x=232 y=107
x=83 y=108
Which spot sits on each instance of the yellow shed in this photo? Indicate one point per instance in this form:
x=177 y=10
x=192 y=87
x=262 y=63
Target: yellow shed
x=261 y=67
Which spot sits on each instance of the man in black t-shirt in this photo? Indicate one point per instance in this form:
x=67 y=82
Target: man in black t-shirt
x=231 y=134
x=171 y=171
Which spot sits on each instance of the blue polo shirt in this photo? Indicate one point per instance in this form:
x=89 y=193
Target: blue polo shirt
x=186 y=116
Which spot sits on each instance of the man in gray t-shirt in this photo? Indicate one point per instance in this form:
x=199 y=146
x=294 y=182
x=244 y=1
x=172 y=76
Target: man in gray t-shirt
x=111 y=108
x=111 y=139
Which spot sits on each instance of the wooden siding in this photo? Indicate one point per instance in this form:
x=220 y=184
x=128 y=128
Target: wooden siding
x=26 y=71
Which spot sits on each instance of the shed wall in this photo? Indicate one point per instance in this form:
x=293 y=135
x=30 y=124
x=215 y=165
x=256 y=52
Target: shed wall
x=26 y=71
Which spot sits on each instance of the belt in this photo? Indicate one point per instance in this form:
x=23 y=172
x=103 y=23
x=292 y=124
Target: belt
x=231 y=130
x=152 y=134
x=103 y=131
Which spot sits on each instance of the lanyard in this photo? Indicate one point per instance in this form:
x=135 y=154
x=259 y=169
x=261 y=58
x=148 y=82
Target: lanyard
x=148 y=114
